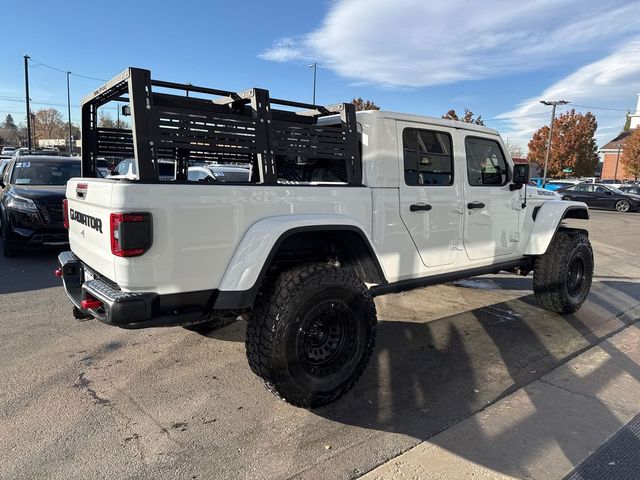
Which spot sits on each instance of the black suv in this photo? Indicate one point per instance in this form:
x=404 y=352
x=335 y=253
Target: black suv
x=33 y=188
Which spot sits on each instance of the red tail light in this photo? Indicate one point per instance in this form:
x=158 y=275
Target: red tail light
x=130 y=234
x=65 y=213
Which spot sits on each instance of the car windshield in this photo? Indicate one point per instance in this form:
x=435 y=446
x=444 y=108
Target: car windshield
x=44 y=172
x=615 y=190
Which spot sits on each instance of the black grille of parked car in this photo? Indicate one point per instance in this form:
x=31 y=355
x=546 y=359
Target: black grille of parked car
x=51 y=210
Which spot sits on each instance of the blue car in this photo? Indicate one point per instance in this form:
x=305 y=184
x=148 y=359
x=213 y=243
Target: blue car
x=552 y=185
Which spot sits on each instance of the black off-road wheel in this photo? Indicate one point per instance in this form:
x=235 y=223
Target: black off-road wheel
x=562 y=276
x=215 y=322
x=310 y=333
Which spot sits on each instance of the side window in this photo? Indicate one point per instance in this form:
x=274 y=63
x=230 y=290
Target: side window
x=486 y=164
x=428 y=158
x=6 y=173
x=601 y=190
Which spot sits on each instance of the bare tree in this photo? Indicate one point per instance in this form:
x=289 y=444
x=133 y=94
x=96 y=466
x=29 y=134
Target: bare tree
x=515 y=151
x=105 y=121
x=48 y=123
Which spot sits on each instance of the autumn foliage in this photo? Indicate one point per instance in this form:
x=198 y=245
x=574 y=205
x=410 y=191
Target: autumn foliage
x=468 y=117
x=364 y=104
x=631 y=154
x=572 y=146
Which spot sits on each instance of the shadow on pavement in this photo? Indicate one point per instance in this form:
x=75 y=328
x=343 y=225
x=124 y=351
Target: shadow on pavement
x=31 y=270
x=425 y=377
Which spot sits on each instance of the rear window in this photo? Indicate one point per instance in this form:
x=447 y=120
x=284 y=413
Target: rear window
x=44 y=172
x=428 y=157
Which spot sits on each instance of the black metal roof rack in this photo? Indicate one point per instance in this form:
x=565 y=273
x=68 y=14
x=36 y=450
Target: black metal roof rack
x=231 y=126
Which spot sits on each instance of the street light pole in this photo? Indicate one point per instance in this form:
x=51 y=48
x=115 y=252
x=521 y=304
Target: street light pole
x=69 y=115
x=553 y=116
x=314 y=65
x=26 y=90
x=615 y=175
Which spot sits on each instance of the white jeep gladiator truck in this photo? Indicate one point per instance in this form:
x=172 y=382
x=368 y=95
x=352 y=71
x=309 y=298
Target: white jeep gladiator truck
x=340 y=207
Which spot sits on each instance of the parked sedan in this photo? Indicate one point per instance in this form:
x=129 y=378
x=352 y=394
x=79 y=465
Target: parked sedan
x=601 y=196
x=632 y=189
x=33 y=188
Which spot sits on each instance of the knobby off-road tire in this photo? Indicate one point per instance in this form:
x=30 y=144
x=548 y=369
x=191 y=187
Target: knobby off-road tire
x=216 y=322
x=311 y=332
x=562 y=276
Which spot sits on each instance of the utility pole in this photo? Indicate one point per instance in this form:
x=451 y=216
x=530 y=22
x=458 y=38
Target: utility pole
x=26 y=89
x=553 y=116
x=69 y=115
x=314 y=65
x=615 y=175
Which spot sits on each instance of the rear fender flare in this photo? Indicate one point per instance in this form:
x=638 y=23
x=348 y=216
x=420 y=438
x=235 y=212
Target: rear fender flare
x=261 y=241
x=548 y=218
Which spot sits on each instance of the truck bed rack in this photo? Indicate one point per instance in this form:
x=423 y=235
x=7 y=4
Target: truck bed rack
x=230 y=127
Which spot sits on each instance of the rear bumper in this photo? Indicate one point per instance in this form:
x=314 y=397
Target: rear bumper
x=131 y=310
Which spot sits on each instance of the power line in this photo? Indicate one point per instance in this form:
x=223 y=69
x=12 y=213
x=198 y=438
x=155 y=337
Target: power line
x=65 y=71
x=521 y=116
x=601 y=108
x=50 y=104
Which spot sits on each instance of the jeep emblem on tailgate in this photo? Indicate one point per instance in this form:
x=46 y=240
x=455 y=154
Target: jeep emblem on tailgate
x=84 y=219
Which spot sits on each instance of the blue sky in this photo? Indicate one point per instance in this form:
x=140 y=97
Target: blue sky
x=496 y=57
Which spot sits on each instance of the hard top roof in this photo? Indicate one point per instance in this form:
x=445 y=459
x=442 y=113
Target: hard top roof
x=22 y=158
x=407 y=117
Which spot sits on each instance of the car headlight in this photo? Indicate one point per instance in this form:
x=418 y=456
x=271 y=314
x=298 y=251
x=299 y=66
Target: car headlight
x=20 y=204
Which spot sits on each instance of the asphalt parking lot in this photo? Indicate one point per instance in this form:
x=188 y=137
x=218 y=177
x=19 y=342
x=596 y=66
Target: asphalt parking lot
x=85 y=400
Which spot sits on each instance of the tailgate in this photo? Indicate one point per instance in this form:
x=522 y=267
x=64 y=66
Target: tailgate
x=89 y=201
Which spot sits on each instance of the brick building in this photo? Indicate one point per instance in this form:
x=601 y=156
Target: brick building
x=614 y=149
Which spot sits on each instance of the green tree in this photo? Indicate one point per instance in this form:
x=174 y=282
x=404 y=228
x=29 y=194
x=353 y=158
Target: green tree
x=9 y=132
x=627 y=122
x=573 y=145
x=364 y=104
x=468 y=117
x=9 y=124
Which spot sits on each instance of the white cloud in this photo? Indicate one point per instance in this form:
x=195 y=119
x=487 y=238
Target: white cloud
x=284 y=50
x=612 y=81
x=419 y=43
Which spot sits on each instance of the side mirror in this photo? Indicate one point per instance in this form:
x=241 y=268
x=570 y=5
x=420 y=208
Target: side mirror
x=520 y=176
x=521 y=173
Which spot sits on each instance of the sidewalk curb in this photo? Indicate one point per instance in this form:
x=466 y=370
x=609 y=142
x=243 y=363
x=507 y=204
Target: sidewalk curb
x=543 y=430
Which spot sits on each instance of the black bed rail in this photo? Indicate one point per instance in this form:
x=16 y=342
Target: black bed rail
x=238 y=127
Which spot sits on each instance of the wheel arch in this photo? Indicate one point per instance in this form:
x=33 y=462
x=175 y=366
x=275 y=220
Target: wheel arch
x=288 y=239
x=548 y=219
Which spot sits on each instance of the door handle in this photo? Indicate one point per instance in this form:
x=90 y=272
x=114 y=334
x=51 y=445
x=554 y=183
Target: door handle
x=420 y=206
x=475 y=205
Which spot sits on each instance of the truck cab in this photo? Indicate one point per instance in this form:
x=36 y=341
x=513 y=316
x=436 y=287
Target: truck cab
x=333 y=208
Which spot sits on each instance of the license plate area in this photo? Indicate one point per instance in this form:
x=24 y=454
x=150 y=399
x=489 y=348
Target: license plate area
x=88 y=275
